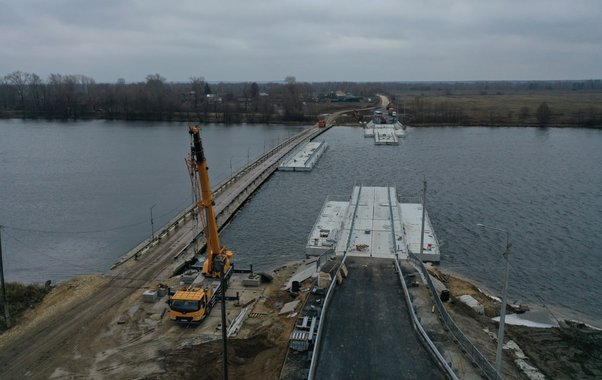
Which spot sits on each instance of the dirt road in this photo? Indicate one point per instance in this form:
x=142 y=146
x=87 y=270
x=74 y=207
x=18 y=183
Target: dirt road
x=66 y=338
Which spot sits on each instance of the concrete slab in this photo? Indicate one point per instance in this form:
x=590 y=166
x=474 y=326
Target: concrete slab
x=304 y=272
x=382 y=226
x=289 y=307
x=305 y=158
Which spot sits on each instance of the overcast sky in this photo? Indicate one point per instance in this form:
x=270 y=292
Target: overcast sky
x=257 y=40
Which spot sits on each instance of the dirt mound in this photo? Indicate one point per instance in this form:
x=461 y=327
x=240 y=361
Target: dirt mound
x=562 y=353
x=253 y=358
x=458 y=286
x=566 y=352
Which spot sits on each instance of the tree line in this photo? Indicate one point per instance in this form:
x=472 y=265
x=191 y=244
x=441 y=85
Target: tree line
x=25 y=94
x=69 y=96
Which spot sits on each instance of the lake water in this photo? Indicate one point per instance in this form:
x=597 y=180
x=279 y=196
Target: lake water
x=543 y=185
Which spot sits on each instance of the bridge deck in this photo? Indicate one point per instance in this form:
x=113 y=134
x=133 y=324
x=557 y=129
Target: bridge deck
x=368 y=333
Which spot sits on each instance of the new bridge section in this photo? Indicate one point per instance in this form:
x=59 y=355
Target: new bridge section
x=366 y=330
x=368 y=333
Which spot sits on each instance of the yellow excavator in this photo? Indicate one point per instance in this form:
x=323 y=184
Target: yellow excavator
x=193 y=304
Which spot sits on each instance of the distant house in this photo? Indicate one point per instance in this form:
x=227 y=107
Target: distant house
x=351 y=98
x=213 y=99
x=341 y=96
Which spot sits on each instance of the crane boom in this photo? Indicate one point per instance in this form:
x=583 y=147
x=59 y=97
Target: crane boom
x=217 y=255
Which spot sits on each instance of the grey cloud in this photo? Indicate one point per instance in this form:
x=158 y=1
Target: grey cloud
x=314 y=40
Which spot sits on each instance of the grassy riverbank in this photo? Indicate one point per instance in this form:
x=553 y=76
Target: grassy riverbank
x=521 y=108
x=20 y=299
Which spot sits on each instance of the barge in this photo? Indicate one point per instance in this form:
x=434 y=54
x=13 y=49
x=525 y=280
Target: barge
x=374 y=222
x=385 y=128
x=305 y=158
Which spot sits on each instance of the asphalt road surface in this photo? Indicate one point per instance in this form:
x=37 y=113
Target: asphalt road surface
x=368 y=333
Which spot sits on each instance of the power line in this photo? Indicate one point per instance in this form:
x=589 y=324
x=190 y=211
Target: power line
x=50 y=256
x=121 y=227
x=89 y=270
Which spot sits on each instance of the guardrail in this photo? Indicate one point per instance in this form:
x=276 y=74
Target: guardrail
x=476 y=356
x=418 y=327
x=393 y=239
x=415 y=322
x=316 y=351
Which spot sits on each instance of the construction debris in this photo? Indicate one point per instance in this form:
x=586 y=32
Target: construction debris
x=289 y=307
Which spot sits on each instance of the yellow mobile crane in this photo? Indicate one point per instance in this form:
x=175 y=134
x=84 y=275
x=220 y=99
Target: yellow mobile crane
x=217 y=256
x=194 y=303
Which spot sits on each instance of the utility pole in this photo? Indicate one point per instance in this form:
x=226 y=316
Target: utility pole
x=500 y=334
x=423 y=218
x=152 y=223
x=224 y=327
x=219 y=265
x=3 y=293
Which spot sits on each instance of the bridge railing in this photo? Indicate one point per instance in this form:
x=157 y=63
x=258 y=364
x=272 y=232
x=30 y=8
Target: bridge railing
x=187 y=212
x=476 y=356
x=316 y=352
x=418 y=327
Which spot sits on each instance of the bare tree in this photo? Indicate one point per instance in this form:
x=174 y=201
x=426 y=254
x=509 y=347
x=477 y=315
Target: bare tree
x=291 y=102
x=197 y=91
x=36 y=91
x=524 y=114
x=543 y=113
x=19 y=80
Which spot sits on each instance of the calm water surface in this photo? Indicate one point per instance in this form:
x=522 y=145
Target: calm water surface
x=74 y=197
x=543 y=185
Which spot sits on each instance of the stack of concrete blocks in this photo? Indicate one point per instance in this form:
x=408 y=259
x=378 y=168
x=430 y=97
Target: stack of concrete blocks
x=252 y=281
x=324 y=280
x=342 y=273
x=471 y=302
x=149 y=296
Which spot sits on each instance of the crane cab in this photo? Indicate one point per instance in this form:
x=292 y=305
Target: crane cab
x=190 y=305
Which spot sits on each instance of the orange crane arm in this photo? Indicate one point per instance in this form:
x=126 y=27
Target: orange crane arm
x=214 y=247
